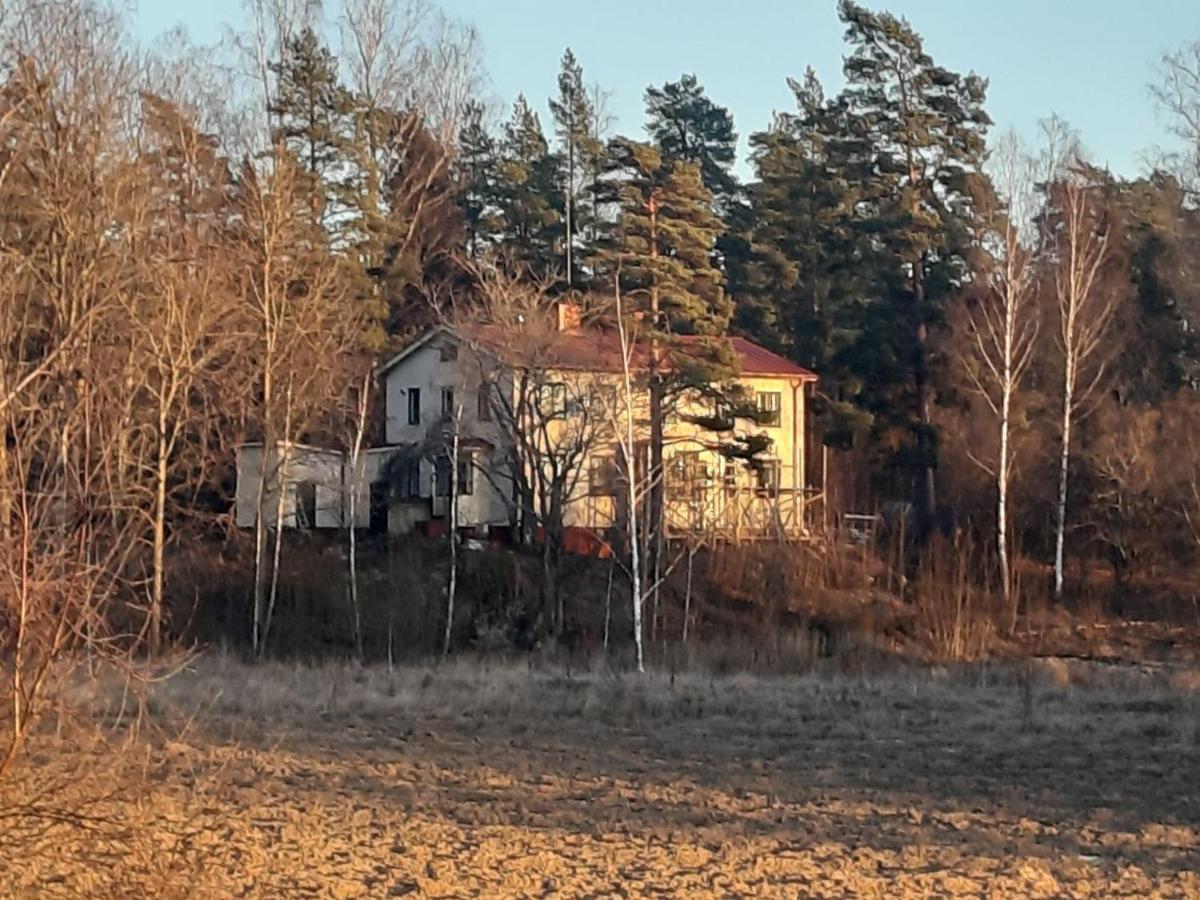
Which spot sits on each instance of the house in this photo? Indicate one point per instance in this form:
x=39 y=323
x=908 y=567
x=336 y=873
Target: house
x=533 y=407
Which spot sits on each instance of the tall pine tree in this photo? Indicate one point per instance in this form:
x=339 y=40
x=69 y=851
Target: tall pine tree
x=314 y=119
x=478 y=174
x=578 y=154
x=528 y=195
x=915 y=141
x=684 y=124
x=798 y=280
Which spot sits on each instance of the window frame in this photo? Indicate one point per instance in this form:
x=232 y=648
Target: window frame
x=558 y=400
x=768 y=486
x=606 y=485
x=414 y=405
x=777 y=420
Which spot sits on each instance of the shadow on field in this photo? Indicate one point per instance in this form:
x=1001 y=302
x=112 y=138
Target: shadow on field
x=988 y=765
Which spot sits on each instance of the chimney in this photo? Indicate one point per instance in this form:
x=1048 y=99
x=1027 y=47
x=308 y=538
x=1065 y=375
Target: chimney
x=570 y=317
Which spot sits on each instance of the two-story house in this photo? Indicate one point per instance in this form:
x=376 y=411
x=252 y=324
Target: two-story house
x=547 y=396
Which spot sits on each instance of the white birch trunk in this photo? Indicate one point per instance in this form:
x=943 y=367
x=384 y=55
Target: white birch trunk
x=452 y=515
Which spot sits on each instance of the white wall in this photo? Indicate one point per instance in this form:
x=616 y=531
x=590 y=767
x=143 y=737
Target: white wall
x=322 y=468
x=425 y=370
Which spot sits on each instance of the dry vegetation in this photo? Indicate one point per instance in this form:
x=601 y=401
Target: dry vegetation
x=469 y=779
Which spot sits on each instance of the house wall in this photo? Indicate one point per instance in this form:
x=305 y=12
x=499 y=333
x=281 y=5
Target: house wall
x=744 y=507
x=747 y=508
x=321 y=468
x=426 y=370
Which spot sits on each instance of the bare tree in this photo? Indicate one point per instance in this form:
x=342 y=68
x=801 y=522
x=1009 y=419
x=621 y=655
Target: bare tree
x=455 y=441
x=296 y=295
x=66 y=177
x=623 y=416
x=1002 y=326
x=1177 y=93
x=1077 y=230
x=362 y=407
x=549 y=416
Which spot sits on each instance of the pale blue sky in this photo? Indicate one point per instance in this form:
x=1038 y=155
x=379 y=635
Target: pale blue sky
x=1088 y=60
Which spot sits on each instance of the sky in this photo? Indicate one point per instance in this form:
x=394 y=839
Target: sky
x=1089 y=61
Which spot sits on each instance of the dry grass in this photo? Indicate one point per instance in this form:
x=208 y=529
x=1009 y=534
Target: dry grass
x=329 y=780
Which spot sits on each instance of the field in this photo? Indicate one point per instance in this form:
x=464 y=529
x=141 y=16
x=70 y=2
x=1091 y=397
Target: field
x=476 y=780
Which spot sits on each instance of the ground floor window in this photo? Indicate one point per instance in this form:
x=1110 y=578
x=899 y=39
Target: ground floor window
x=466 y=474
x=377 y=519
x=304 y=500
x=768 y=477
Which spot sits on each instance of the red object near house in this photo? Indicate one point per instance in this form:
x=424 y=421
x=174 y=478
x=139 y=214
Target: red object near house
x=434 y=528
x=585 y=542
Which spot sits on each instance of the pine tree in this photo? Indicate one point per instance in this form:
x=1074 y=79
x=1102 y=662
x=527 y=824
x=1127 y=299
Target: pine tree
x=664 y=236
x=798 y=279
x=915 y=141
x=1160 y=352
x=662 y=246
x=529 y=199
x=314 y=120
x=579 y=151
x=477 y=177
x=684 y=124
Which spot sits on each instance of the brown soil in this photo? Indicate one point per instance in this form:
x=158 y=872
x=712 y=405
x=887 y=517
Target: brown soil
x=464 y=782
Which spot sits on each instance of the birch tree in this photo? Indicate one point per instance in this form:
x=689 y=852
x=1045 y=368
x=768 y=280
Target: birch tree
x=1078 y=233
x=1002 y=326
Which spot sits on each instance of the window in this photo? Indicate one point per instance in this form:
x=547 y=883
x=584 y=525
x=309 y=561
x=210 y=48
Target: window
x=604 y=402
x=552 y=401
x=414 y=406
x=768 y=478
x=729 y=477
x=768 y=408
x=410 y=478
x=603 y=476
x=466 y=474
x=448 y=402
x=304 y=496
x=377 y=518
x=687 y=475
x=484 y=404
x=449 y=352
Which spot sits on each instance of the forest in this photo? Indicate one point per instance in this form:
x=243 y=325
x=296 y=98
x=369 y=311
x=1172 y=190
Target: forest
x=201 y=246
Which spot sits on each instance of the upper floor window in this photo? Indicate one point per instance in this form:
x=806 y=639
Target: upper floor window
x=768 y=408
x=414 y=406
x=449 y=352
x=483 y=401
x=448 y=402
x=552 y=400
x=603 y=476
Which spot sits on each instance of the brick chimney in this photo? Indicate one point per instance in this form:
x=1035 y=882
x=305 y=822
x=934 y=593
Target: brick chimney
x=570 y=317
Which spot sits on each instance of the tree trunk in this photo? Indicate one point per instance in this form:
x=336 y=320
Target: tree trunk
x=608 y=604
x=452 y=530
x=927 y=491
x=1002 y=473
x=154 y=625
x=687 y=595
x=654 y=541
x=352 y=501
x=1064 y=464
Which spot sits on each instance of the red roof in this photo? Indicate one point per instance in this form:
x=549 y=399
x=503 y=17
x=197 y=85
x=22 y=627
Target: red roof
x=590 y=349
x=758 y=360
